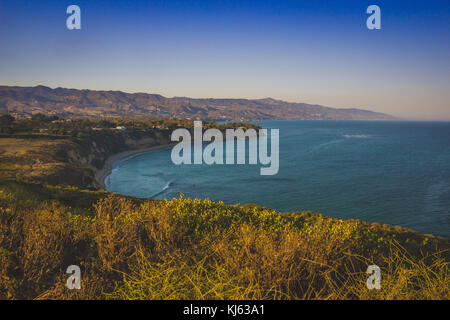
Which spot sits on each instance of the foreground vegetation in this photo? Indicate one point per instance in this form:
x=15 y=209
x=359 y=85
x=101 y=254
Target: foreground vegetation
x=198 y=249
x=131 y=248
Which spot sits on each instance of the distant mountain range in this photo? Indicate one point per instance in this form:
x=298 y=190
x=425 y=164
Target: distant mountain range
x=25 y=101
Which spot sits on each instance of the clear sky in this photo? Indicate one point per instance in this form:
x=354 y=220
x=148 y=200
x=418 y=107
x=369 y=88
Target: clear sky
x=304 y=51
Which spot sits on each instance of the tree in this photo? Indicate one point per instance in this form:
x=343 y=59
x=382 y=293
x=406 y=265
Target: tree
x=6 y=120
x=39 y=117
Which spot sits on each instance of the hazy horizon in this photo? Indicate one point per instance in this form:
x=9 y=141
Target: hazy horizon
x=316 y=53
x=237 y=98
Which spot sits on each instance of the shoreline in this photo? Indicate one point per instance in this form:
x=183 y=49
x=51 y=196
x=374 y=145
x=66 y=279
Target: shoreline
x=105 y=171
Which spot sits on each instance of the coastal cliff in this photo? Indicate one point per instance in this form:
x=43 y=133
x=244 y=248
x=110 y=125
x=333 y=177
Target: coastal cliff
x=93 y=153
x=80 y=152
x=56 y=160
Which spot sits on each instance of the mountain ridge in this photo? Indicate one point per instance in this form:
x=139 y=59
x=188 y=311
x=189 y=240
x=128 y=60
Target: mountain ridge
x=25 y=101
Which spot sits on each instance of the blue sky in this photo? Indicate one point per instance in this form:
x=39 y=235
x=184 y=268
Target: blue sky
x=306 y=51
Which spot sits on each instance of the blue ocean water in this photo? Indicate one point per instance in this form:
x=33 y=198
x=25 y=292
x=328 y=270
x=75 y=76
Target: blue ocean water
x=390 y=172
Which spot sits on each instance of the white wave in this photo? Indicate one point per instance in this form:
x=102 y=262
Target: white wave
x=357 y=136
x=167 y=186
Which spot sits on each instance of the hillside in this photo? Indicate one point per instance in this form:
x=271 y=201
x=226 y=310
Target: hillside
x=25 y=101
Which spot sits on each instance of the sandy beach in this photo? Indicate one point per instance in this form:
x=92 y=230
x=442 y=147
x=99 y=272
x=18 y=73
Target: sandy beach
x=101 y=174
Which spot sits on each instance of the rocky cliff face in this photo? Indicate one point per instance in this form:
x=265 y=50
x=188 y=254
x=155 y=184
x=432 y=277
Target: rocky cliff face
x=91 y=153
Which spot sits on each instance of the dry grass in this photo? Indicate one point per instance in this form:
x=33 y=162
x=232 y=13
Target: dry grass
x=13 y=147
x=404 y=277
x=193 y=249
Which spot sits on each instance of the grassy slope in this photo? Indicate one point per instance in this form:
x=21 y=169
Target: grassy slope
x=184 y=248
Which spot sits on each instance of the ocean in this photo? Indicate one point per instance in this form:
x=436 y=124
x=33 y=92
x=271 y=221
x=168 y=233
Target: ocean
x=390 y=172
